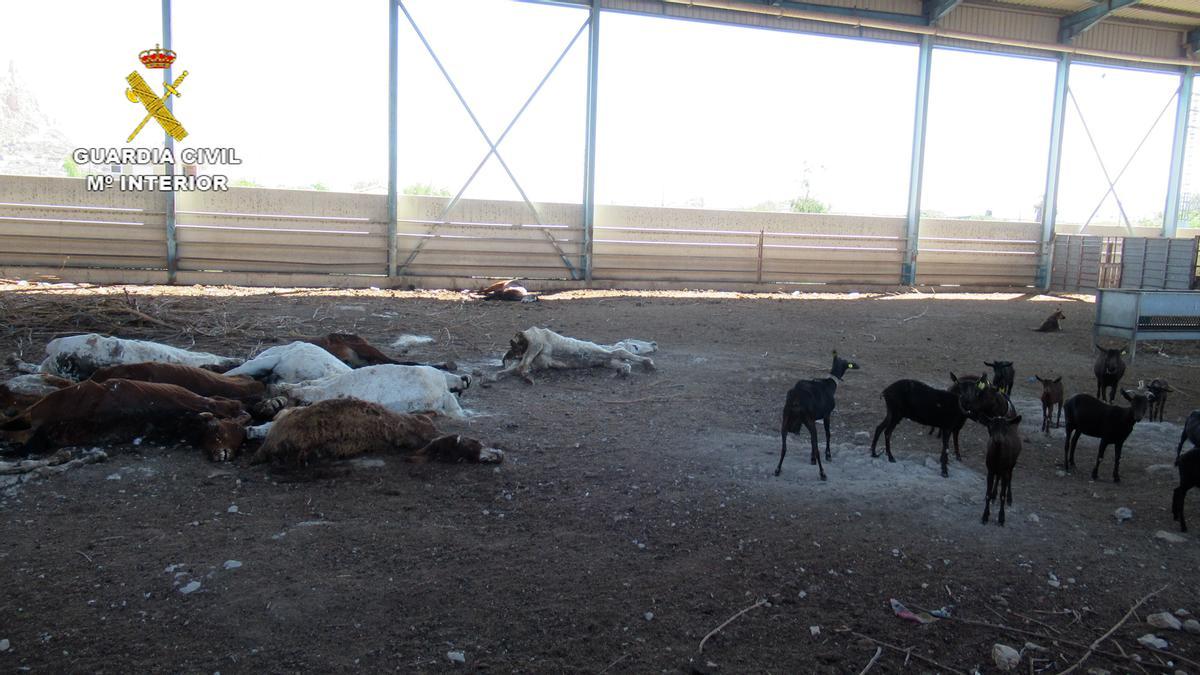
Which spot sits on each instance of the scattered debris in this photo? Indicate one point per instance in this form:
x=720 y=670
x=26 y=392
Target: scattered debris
x=1033 y=518
x=1152 y=640
x=1192 y=626
x=1170 y=537
x=456 y=657
x=903 y=612
x=1164 y=620
x=406 y=342
x=1123 y=514
x=190 y=587
x=760 y=603
x=232 y=508
x=649 y=616
x=232 y=564
x=1006 y=658
x=4 y=645
x=814 y=630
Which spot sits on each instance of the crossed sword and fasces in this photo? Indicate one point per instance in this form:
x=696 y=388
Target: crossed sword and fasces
x=155 y=106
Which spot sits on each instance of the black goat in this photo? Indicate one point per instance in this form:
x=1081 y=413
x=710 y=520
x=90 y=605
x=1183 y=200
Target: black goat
x=1109 y=370
x=1052 y=394
x=1004 y=375
x=923 y=404
x=1160 y=389
x=1189 y=477
x=1191 y=432
x=1004 y=446
x=981 y=400
x=809 y=401
x=1110 y=423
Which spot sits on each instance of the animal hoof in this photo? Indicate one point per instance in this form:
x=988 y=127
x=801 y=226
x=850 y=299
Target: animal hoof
x=1116 y=479
x=823 y=476
x=813 y=461
x=983 y=520
x=777 y=471
x=828 y=457
x=491 y=456
x=945 y=472
x=892 y=460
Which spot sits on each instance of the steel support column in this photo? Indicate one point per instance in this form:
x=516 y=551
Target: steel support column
x=172 y=247
x=1183 y=111
x=1053 y=164
x=908 y=272
x=589 y=147
x=393 y=167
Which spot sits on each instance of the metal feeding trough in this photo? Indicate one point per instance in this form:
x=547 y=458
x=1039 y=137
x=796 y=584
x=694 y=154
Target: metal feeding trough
x=1147 y=315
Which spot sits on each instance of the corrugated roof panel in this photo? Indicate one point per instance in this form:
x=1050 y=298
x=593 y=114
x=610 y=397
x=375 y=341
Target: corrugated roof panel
x=1128 y=38
x=1057 y=6
x=1192 y=6
x=1141 y=14
x=993 y=21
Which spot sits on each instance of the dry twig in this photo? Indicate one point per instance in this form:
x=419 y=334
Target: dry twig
x=907 y=652
x=871 y=663
x=1102 y=638
x=760 y=603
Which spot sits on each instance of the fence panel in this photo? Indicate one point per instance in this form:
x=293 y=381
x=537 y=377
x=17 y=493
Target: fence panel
x=57 y=222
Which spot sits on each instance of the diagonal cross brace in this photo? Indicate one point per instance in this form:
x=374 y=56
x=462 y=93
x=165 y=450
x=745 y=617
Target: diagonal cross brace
x=492 y=149
x=1112 y=183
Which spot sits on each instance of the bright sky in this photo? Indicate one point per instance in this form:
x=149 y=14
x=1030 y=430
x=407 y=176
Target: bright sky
x=689 y=113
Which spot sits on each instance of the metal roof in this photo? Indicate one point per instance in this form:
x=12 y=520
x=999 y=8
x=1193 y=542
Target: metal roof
x=1162 y=34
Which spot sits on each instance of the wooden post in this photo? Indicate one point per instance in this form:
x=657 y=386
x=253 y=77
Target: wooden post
x=760 y=255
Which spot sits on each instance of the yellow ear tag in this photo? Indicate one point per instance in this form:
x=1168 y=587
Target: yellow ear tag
x=981 y=385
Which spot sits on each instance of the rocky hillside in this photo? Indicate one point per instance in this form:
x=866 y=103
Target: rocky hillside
x=30 y=145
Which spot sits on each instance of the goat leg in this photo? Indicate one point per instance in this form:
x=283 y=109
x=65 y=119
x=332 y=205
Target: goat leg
x=957 y=454
x=1117 y=462
x=816 y=452
x=1003 y=495
x=1099 y=457
x=783 y=450
x=828 y=457
x=946 y=456
x=987 y=498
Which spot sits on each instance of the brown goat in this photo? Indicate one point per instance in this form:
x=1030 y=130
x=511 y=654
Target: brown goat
x=196 y=380
x=1050 y=325
x=117 y=411
x=347 y=427
x=1052 y=394
x=356 y=352
x=1160 y=388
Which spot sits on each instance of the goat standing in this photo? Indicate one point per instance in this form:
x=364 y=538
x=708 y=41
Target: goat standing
x=1004 y=446
x=809 y=401
x=1109 y=370
x=1110 y=423
x=1160 y=389
x=925 y=405
x=1004 y=375
x=1052 y=394
x=1191 y=432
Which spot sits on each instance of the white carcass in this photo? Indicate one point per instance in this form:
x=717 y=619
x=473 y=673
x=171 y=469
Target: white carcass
x=292 y=363
x=78 y=356
x=541 y=348
x=398 y=388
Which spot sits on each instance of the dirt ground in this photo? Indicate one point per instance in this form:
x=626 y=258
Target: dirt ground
x=632 y=516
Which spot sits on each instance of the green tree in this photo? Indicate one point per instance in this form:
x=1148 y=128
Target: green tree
x=246 y=182
x=321 y=187
x=72 y=169
x=808 y=204
x=425 y=189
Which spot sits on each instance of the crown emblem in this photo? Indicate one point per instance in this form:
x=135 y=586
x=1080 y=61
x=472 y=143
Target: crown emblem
x=157 y=57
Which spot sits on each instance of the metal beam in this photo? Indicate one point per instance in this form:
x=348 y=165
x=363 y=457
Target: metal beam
x=1053 y=164
x=1183 y=111
x=393 y=134
x=1071 y=26
x=908 y=272
x=172 y=243
x=834 y=10
x=934 y=10
x=589 y=141
x=1193 y=40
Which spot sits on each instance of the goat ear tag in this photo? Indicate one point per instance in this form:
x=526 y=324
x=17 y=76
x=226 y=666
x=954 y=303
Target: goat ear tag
x=981 y=384
x=1123 y=352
